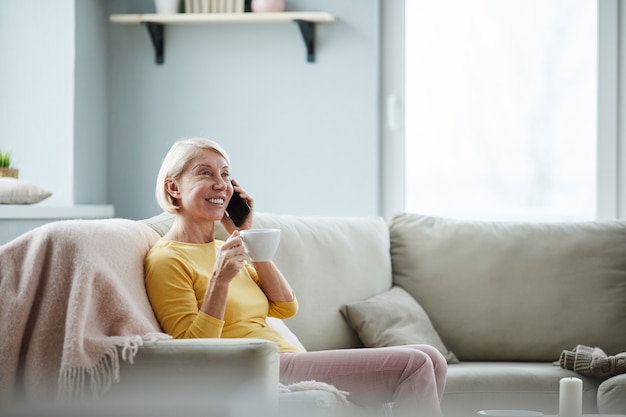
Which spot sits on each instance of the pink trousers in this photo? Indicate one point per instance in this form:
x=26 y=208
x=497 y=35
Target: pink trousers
x=411 y=376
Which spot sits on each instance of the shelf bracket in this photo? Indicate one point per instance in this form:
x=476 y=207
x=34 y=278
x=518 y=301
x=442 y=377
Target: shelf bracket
x=308 y=35
x=157 y=36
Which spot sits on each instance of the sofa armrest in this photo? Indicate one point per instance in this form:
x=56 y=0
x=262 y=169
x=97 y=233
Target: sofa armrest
x=220 y=373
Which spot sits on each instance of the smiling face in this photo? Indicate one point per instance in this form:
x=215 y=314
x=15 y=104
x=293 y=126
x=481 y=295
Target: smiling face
x=203 y=189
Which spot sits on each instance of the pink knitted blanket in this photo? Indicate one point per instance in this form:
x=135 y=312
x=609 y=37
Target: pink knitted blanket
x=71 y=293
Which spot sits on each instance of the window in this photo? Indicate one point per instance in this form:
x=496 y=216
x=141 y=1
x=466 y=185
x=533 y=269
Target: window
x=500 y=108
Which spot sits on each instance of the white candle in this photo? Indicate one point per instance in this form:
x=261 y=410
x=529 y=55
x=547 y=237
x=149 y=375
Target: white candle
x=571 y=397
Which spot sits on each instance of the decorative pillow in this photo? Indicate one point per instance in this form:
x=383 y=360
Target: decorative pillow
x=393 y=318
x=284 y=331
x=14 y=191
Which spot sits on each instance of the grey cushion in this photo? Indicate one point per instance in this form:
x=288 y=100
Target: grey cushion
x=515 y=291
x=393 y=318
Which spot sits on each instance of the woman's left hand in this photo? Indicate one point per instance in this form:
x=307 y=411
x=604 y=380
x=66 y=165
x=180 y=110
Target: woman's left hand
x=227 y=222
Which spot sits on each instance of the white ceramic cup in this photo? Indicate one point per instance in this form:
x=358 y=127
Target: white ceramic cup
x=260 y=244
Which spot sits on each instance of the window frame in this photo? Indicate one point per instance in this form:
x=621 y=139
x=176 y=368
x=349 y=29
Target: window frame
x=611 y=172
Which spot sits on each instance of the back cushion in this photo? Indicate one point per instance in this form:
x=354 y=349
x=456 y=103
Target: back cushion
x=329 y=262
x=515 y=291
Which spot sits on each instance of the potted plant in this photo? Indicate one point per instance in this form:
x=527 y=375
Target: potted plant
x=6 y=167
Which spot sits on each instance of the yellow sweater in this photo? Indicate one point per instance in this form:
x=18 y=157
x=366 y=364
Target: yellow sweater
x=177 y=277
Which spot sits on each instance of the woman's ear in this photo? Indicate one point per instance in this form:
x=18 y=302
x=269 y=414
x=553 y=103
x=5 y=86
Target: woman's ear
x=171 y=187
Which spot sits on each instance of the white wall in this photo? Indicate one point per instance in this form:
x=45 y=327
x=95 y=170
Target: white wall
x=37 y=92
x=89 y=116
x=53 y=113
x=90 y=98
x=303 y=137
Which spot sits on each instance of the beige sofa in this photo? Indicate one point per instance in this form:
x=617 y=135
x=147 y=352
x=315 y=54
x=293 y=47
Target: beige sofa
x=77 y=325
x=500 y=300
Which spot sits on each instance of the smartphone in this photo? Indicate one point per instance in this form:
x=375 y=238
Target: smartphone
x=237 y=209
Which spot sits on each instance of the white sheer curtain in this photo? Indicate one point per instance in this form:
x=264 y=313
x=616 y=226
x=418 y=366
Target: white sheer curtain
x=500 y=118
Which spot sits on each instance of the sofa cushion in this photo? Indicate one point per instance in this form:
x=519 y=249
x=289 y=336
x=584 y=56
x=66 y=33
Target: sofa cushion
x=515 y=291
x=329 y=261
x=612 y=395
x=473 y=386
x=393 y=318
x=315 y=403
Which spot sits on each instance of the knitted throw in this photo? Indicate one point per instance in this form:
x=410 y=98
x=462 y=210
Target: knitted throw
x=592 y=361
x=71 y=293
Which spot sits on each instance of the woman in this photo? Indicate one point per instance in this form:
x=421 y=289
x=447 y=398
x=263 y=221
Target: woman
x=203 y=288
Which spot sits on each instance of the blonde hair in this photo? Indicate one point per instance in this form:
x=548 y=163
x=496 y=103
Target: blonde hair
x=181 y=152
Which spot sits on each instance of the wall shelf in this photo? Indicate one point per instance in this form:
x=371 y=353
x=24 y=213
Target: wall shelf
x=155 y=23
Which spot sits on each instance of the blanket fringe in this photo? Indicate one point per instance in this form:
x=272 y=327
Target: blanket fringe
x=101 y=376
x=133 y=343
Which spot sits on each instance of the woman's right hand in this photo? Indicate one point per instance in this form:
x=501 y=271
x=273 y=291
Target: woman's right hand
x=229 y=259
x=228 y=262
